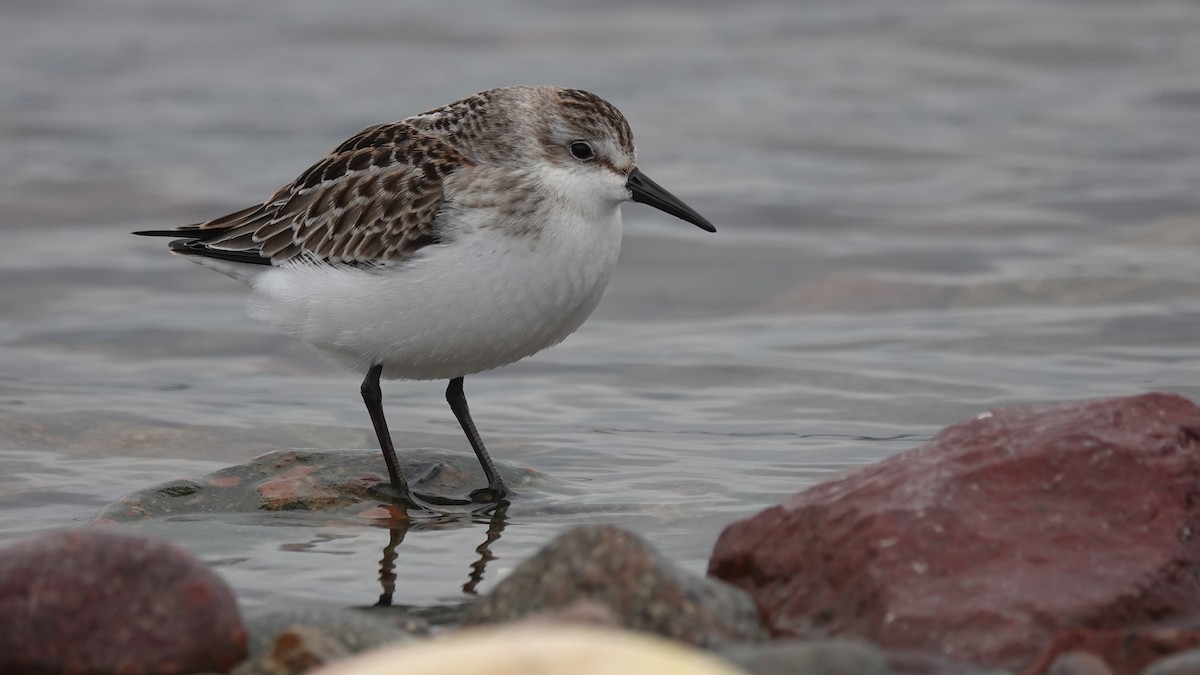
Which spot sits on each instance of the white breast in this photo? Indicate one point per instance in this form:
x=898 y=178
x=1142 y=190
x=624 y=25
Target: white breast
x=485 y=299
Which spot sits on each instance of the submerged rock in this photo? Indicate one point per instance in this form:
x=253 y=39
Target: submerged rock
x=330 y=481
x=101 y=601
x=616 y=568
x=979 y=545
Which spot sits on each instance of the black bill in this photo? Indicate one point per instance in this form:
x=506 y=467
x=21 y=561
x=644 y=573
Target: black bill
x=647 y=191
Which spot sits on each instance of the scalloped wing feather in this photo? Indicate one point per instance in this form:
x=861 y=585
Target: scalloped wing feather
x=374 y=200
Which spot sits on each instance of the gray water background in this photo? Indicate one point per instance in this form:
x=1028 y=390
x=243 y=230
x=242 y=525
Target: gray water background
x=926 y=209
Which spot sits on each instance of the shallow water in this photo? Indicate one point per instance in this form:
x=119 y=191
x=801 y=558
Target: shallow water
x=925 y=210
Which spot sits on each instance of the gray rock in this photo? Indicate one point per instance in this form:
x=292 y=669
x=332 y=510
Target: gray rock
x=296 y=639
x=646 y=591
x=809 y=657
x=1180 y=663
x=296 y=650
x=1079 y=663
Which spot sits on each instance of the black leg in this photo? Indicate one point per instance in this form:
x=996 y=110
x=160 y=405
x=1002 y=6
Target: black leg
x=374 y=400
x=458 y=403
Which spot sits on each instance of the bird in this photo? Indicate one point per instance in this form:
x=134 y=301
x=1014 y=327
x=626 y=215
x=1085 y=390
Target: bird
x=443 y=245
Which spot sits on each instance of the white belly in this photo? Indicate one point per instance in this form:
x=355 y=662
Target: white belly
x=484 y=300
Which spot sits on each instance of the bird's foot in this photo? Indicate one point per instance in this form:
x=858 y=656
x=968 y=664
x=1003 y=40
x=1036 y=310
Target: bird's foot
x=492 y=494
x=406 y=494
x=413 y=499
x=397 y=494
x=437 y=500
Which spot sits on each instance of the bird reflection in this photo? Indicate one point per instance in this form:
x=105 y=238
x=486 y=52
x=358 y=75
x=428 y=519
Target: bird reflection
x=496 y=518
x=387 y=565
x=495 y=526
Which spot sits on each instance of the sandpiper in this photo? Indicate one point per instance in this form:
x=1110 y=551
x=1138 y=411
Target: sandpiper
x=446 y=244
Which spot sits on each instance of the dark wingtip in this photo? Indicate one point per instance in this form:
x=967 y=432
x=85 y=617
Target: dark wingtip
x=193 y=247
x=160 y=233
x=183 y=246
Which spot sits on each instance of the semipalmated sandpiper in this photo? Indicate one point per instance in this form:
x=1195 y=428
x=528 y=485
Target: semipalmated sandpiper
x=442 y=245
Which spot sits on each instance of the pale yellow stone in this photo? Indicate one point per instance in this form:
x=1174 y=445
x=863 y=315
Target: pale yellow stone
x=536 y=650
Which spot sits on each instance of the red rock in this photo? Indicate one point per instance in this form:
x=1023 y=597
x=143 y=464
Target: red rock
x=102 y=601
x=981 y=544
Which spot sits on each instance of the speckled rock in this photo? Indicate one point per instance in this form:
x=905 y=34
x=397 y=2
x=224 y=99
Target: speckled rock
x=296 y=650
x=333 y=482
x=979 y=545
x=581 y=612
x=647 y=592
x=526 y=649
x=295 y=640
x=103 y=601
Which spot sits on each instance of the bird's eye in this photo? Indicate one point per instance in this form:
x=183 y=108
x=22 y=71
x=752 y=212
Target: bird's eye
x=582 y=151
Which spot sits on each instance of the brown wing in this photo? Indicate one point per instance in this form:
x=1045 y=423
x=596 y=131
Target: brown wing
x=373 y=200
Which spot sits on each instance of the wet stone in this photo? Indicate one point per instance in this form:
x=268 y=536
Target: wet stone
x=296 y=650
x=339 y=481
x=614 y=567
x=298 y=639
x=350 y=630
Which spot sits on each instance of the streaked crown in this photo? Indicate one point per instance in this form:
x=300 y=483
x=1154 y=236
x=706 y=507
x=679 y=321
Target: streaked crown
x=527 y=124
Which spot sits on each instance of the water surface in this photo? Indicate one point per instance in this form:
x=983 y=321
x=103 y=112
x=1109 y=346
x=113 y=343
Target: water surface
x=924 y=210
